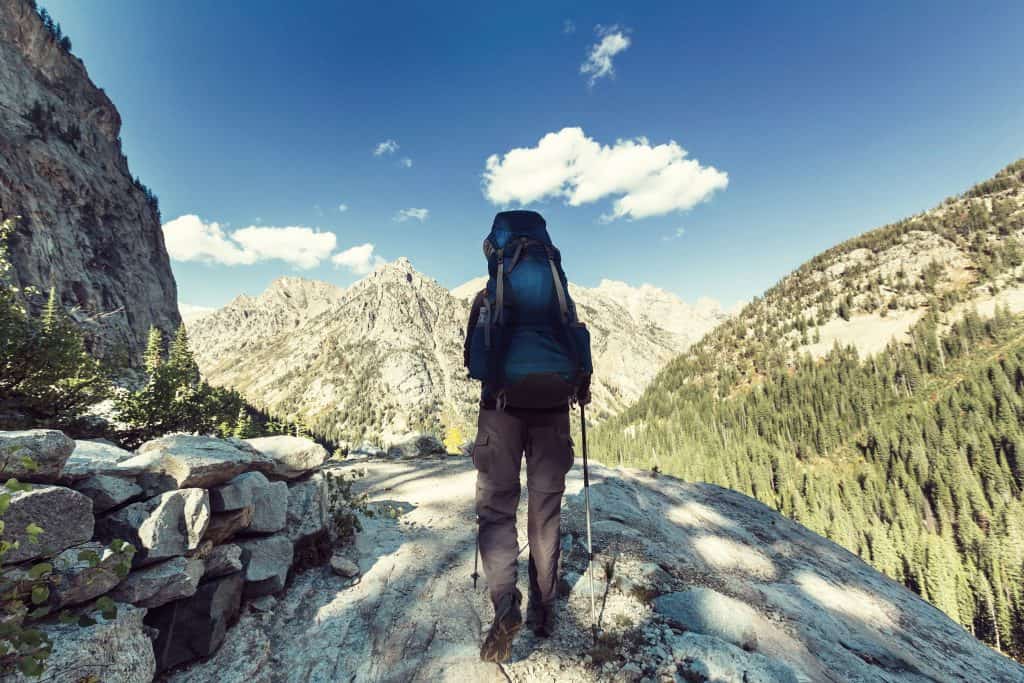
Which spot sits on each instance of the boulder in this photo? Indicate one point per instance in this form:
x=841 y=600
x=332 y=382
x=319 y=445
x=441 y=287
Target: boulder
x=160 y=527
x=365 y=450
x=65 y=517
x=160 y=583
x=223 y=560
x=36 y=455
x=234 y=495
x=417 y=446
x=342 y=566
x=307 y=509
x=115 y=650
x=291 y=456
x=187 y=461
x=108 y=492
x=86 y=572
x=194 y=627
x=95 y=456
x=266 y=562
x=269 y=502
x=224 y=525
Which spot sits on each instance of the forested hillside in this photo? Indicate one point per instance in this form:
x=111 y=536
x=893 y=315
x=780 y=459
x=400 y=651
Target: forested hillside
x=911 y=456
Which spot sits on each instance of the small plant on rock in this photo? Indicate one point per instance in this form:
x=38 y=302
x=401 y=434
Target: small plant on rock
x=344 y=504
x=25 y=595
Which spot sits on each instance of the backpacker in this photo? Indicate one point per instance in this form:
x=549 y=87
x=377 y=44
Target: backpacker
x=527 y=346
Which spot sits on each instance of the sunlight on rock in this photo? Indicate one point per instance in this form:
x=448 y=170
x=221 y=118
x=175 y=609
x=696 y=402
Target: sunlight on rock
x=852 y=602
x=728 y=555
x=696 y=515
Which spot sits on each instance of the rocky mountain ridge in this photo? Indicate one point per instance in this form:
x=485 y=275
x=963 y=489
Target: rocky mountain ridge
x=965 y=254
x=384 y=356
x=86 y=227
x=693 y=583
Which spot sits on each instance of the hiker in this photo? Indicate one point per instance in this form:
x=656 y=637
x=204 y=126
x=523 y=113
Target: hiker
x=532 y=355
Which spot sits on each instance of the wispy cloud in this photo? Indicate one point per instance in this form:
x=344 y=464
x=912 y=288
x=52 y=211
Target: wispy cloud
x=676 y=234
x=648 y=180
x=342 y=208
x=411 y=214
x=387 y=147
x=359 y=259
x=189 y=238
x=568 y=27
x=405 y=162
x=598 y=64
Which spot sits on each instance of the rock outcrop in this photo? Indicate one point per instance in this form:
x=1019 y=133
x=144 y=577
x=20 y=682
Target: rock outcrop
x=693 y=583
x=85 y=227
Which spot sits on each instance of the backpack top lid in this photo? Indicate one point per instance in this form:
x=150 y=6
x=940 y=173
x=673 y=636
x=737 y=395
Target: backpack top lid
x=509 y=225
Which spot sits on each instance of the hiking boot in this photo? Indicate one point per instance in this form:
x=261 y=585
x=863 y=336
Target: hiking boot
x=541 y=618
x=508 y=619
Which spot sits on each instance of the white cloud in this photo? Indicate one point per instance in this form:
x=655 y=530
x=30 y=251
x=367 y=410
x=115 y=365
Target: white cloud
x=405 y=162
x=599 y=61
x=676 y=234
x=568 y=27
x=299 y=246
x=359 y=259
x=648 y=180
x=189 y=238
x=387 y=147
x=409 y=214
x=342 y=208
x=190 y=312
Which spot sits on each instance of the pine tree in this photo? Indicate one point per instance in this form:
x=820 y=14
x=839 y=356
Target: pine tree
x=51 y=313
x=153 y=356
x=180 y=357
x=244 y=428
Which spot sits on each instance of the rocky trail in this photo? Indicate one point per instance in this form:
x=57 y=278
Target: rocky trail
x=694 y=583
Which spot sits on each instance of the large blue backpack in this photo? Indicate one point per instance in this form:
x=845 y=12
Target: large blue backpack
x=528 y=347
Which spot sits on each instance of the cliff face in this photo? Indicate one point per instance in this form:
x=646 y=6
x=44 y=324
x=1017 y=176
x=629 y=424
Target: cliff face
x=85 y=226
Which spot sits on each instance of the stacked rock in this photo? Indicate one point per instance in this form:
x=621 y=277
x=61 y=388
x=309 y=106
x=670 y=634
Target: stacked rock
x=214 y=523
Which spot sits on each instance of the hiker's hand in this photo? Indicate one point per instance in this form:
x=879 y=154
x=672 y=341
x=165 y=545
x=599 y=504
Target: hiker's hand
x=583 y=392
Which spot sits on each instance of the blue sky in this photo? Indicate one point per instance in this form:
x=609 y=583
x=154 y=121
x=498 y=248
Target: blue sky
x=827 y=119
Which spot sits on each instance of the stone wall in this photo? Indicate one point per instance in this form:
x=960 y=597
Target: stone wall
x=214 y=523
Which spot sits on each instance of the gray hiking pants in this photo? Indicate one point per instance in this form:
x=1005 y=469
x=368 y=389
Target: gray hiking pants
x=502 y=439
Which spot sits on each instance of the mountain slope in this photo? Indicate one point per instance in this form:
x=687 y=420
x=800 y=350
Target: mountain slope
x=964 y=254
x=86 y=227
x=707 y=585
x=385 y=356
x=910 y=454
x=374 y=361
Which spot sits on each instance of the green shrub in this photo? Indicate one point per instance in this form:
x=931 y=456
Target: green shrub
x=46 y=375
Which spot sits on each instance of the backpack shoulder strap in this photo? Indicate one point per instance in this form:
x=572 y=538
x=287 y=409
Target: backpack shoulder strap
x=499 y=286
x=563 y=302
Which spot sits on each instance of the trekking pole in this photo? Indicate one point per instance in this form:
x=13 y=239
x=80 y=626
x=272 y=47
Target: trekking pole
x=586 y=497
x=476 y=556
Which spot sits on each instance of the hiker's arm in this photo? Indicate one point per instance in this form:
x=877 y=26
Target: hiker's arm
x=474 y=315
